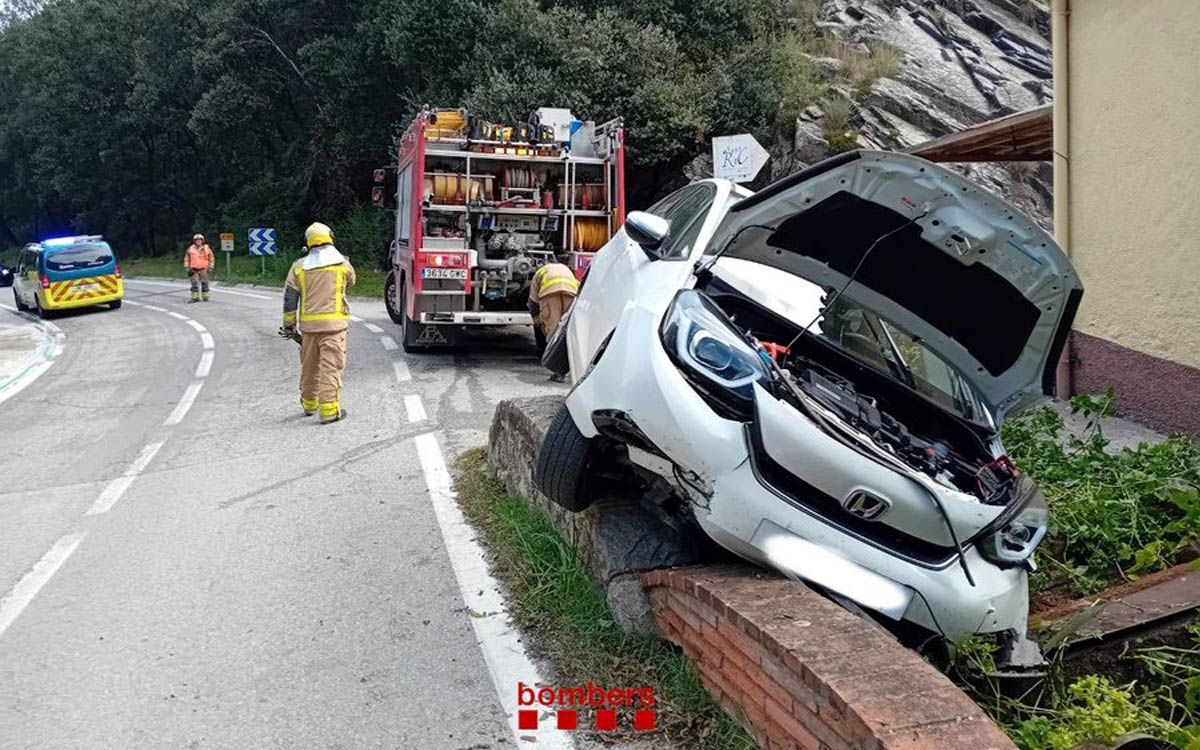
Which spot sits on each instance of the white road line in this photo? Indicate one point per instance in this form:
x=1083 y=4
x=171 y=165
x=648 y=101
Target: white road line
x=50 y=348
x=206 y=360
x=197 y=326
x=185 y=403
x=220 y=289
x=388 y=342
x=356 y=319
x=117 y=487
x=401 y=369
x=206 y=340
x=499 y=641
x=33 y=581
x=372 y=328
x=135 y=303
x=155 y=308
x=415 y=409
x=177 y=316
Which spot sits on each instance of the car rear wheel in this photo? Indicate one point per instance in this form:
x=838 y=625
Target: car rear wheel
x=389 y=300
x=42 y=312
x=17 y=301
x=554 y=350
x=563 y=463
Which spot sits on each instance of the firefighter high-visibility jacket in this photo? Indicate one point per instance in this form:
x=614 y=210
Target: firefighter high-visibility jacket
x=314 y=295
x=552 y=278
x=199 y=257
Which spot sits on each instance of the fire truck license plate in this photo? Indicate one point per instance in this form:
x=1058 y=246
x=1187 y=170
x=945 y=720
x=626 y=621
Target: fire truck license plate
x=444 y=273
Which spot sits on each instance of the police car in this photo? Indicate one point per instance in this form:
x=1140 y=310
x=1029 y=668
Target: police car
x=66 y=273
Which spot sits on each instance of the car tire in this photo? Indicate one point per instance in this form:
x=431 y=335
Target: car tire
x=115 y=304
x=561 y=472
x=389 y=300
x=554 y=350
x=42 y=312
x=17 y=301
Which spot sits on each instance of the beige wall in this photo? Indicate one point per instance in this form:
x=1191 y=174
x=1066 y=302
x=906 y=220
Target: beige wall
x=1134 y=150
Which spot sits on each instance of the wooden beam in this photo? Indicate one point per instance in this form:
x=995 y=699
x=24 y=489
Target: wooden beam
x=1024 y=136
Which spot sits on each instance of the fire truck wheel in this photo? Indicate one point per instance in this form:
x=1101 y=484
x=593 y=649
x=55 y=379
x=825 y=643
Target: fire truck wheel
x=563 y=462
x=389 y=299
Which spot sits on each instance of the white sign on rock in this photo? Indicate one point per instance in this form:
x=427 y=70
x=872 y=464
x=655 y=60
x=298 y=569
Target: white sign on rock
x=737 y=157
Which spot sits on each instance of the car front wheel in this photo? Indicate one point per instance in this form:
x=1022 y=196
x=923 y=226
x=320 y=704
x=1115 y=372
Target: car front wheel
x=563 y=463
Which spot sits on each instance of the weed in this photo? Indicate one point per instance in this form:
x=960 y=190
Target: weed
x=1113 y=515
x=799 y=82
x=838 y=112
x=554 y=598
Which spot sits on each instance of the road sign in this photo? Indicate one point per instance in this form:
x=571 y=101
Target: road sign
x=226 y=242
x=737 y=157
x=262 y=241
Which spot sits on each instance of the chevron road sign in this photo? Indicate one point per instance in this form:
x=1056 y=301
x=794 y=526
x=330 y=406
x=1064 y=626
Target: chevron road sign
x=262 y=241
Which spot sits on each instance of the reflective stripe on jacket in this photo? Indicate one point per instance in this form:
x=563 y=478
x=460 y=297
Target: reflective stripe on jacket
x=314 y=299
x=552 y=278
x=198 y=257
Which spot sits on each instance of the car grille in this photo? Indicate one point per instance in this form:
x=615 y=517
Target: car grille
x=829 y=509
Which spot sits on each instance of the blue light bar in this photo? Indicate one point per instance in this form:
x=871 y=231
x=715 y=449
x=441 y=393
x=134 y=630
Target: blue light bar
x=59 y=241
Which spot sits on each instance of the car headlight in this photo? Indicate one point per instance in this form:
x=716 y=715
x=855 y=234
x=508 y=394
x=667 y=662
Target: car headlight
x=716 y=357
x=1012 y=540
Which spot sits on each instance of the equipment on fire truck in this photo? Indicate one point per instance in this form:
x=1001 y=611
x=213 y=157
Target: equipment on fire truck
x=481 y=205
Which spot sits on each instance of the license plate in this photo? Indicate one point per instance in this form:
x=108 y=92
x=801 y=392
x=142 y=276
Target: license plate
x=444 y=273
x=86 y=287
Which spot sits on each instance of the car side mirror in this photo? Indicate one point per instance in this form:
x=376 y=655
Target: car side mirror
x=648 y=230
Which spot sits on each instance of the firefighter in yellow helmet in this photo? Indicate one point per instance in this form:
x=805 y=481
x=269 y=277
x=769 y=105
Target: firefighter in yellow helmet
x=315 y=305
x=551 y=293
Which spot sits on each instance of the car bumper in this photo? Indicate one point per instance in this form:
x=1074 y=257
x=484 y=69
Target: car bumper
x=100 y=298
x=744 y=513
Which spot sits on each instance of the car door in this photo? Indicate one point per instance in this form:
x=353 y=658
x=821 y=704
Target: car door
x=623 y=274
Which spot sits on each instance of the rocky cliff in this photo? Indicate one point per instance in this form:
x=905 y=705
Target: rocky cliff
x=933 y=67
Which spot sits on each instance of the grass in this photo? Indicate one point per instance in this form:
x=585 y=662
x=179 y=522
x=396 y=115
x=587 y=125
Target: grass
x=247 y=270
x=838 y=113
x=1114 y=516
x=553 y=598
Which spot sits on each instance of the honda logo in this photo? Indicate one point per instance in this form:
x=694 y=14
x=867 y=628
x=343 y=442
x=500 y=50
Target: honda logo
x=866 y=506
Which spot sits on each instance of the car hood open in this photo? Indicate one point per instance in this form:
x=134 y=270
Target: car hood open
x=971 y=276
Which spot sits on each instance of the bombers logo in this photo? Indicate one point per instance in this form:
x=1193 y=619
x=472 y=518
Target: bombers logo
x=566 y=702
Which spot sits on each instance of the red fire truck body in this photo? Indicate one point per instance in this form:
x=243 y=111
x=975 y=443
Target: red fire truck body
x=480 y=207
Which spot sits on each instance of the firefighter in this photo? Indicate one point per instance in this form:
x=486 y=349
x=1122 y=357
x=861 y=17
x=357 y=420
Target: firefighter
x=197 y=263
x=551 y=293
x=314 y=303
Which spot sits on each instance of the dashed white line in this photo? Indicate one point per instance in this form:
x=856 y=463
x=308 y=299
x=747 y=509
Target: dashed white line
x=372 y=328
x=178 y=316
x=185 y=403
x=356 y=319
x=498 y=639
x=415 y=409
x=135 y=303
x=33 y=581
x=388 y=342
x=197 y=326
x=206 y=340
x=117 y=487
x=155 y=308
x=400 y=367
x=206 y=360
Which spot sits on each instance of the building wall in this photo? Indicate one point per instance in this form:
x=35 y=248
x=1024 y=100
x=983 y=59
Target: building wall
x=1134 y=208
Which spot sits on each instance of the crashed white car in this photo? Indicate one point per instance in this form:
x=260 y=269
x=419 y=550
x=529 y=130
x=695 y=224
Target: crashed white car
x=818 y=370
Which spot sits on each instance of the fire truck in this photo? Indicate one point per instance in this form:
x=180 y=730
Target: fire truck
x=480 y=206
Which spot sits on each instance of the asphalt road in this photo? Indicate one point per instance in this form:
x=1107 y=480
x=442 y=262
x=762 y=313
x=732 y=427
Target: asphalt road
x=186 y=561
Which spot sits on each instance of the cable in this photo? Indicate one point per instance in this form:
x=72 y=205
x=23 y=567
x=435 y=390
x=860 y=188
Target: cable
x=858 y=266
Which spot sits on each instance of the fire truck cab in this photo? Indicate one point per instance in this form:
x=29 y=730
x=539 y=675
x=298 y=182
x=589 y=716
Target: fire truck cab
x=480 y=206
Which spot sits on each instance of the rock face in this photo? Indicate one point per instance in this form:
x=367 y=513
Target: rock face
x=963 y=62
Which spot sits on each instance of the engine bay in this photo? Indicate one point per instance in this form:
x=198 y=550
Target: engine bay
x=921 y=434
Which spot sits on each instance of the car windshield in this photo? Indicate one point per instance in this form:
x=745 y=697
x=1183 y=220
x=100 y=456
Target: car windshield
x=864 y=335
x=76 y=257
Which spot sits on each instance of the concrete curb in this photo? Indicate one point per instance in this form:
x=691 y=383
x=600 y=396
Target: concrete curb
x=800 y=671
x=17 y=375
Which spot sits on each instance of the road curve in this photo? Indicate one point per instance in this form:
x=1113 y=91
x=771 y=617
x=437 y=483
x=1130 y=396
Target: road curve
x=187 y=561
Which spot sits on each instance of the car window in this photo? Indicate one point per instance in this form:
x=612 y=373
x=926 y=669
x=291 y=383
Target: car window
x=687 y=215
x=76 y=257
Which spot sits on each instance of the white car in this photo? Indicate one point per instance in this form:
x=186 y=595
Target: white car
x=818 y=371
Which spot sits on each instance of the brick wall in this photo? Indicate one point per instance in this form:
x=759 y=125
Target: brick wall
x=805 y=674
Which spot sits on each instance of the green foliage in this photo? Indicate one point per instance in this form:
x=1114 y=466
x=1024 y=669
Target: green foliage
x=553 y=596
x=141 y=119
x=1112 y=514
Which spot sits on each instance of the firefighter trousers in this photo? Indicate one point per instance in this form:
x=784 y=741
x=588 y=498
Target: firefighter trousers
x=199 y=278
x=552 y=308
x=322 y=360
